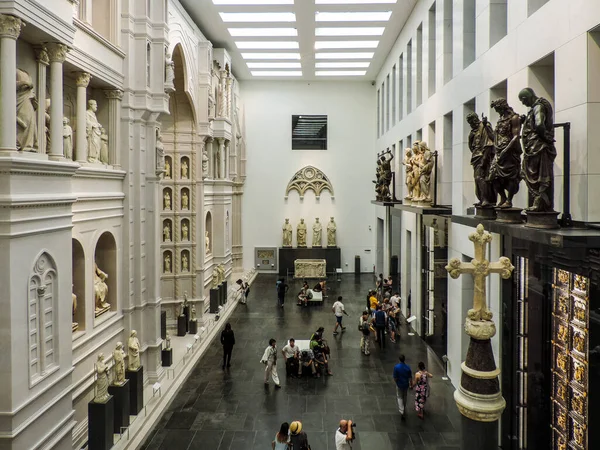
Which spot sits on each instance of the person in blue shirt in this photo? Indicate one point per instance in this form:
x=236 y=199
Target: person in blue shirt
x=403 y=378
x=380 y=323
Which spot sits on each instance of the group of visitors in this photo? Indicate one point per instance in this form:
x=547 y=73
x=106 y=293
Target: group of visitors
x=404 y=381
x=381 y=317
x=293 y=437
x=314 y=358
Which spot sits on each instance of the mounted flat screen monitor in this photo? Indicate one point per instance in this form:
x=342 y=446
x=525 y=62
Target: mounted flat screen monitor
x=309 y=132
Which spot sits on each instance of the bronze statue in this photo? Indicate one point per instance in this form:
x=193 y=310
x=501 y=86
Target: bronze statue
x=540 y=152
x=481 y=144
x=383 y=176
x=505 y=171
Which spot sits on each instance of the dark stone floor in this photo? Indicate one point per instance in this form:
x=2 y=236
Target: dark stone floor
x=232 y=409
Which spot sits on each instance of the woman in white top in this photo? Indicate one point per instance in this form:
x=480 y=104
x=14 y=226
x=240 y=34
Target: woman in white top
x=282 y=439
x=270 y=360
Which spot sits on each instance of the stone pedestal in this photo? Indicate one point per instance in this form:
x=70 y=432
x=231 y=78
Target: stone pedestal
x=181 y=326
x=214 y=301
x=121 y=399
x=100 y=425
x=220 y=289
x=485 y=212
x=543 y=220
x=136 y=390
x=193 y=327
x=163 y=324
x=166 y=356
x=186 y=313
x=509 y=215
x=224 y=294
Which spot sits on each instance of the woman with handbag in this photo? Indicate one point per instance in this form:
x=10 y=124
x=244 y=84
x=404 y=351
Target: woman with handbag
x=421 y=389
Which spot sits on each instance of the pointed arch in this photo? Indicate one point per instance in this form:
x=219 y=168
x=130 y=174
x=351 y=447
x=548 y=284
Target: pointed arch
x=309 y=178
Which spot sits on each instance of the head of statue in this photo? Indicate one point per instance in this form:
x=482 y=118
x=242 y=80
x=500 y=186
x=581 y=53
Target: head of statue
x=100 y=356
x=500 y=105
x=93 y=105
x=473 y=120
x=527 y=97
x=332 y=219
x=287 y=220
x=317 y=219
x=301 y=220
x=65 y=121
x=119 y=345
x=133 y=333
x=407 y=151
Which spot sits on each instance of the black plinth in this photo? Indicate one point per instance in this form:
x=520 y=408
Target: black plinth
x=214 y=301
x=287 y=256
x=544 y=220
x=478 y=435
x=221 y=296
x=167 y=357
x=100 y=425
x=181 y=325
x=186 y=313
x=509 y=215
x=136 y=390
x=193 y=326
x=485 y=212
x=121 y=399
x=163 y=324
x=224 y=287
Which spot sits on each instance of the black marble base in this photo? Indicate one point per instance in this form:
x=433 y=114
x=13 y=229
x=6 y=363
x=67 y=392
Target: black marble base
x=121 y=398
x=224 y=293
x=287 y=256
x=478 y=435
x=485 y=212
x=181 y=326
x=163 y=324
x=166 y=356
x=509 y=215
x=543 y=220
x=100 y=425
x=193 y=326
x=214 y=301
x=136 y=390
x=186 y=313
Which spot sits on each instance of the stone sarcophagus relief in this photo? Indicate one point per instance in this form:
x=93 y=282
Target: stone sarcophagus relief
x=310 y=268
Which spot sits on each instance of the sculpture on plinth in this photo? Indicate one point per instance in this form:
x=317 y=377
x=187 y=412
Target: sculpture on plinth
x=167 y=200
x=160 y=154
x=409 y=171
x=133 y=351
x=119 y=365
x=416 y=160
x=425 y=170
x=168 y=341
x=104 y=146
x=27 y=139
x=67 y=139
x=481 y=144
x=93 y=130
x=101 y=369
x=301 y=234
x=220 y=273
x=215 y=278
x=317 y=238
x=167 y=263
x=331 y=233
x=100 y=290
x=383 y=176
x=205 y=163
x=287 y=233
x=193 y=314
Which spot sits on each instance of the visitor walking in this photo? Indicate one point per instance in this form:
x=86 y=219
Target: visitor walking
x=421 y=389
x=282 y=439
x=339 y=311
x=380 y=322
x=281 y=288
x=270 y=360
x=298 y=437
x=363 y=327
x=227 y=341
x=403 y=378
x=244 y=288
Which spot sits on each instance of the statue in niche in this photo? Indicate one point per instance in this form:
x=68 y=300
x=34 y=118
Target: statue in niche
x=481 y=144
x=185 y=200
x=184 y=169
x=104 y=146
x=167 y=262
x=133 y=351
x=47 y=123
x=100 y=289
x=119 y=366
x=167 y=232
x=26 y=117
x=184 y=262
x=505 y=171
x=301 y=233
x=409 y=170
x=167 y=167
x=102 y=395
x=217 y=173
x=540 y=152
x=207 y=242
x=184 y=231
x=204 y=163
x=331 y=233
x=67 y=139
x=425 y=169
x=287 y=233
x=168 y=341
x=169 y=73
x=93 y=131
x=160 y=155
x=317 y=240
x=167 y=200
x=74 y=324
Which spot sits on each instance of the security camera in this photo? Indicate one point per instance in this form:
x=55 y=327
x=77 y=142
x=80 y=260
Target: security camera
x=372 y=83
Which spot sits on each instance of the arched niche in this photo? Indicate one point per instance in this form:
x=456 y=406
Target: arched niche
x=208 y=233
x=168 y=167
x=185 y=168
x=167 y=199
x=185 y=230
x=104 y=275
x=185 y=199
x=185 y=261
x=167 y=230
x=167 y=262
x=78 y=270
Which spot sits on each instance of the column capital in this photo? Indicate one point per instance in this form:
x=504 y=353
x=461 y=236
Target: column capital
x=41 y=55
x=57 y=52
x=83 y=79
x=10 y=26
x=113 y=94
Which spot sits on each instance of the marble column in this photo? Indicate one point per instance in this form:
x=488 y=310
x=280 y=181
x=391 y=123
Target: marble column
x=114 y=126
x=10 y=28
x=221 y=173
x=41 y=56
x=57 y=54
x=82 y=81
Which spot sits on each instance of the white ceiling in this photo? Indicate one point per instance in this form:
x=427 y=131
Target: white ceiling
x=334 y=52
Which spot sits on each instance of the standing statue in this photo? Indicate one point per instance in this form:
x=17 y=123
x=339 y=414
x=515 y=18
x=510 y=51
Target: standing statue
x=204 y=163
x=417 y=160
x=160 y=154
x=538 y=144
x=378 y=181
x=505 y=171
x=26 y=117
x=185 y=231
x=317 y=240
x=119 y=366
x=481 y=144
x=67 y=139
x=47 y=124
x=169 y=73
x=167 y=167
x=167 y=200
x=101 y=370
x=93 y=131
x=74 y=324
x=217 y=168
x=184 y=169
x=168 y=341
x=410 y=179
x=331 y=233
x=133 y=351
x=184 y=262
x=185 y=200
x=287 y=233
x=167 y=233
x=100 y=289
x=301 y=233
x=425 y=171
x=386 y=174
x=104 y=146
x=221 y=273
x=167 y=262
x=193 y=314
x=207 y=242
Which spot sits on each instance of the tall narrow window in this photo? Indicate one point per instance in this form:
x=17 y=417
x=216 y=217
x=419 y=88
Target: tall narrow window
x=387 y=103
x=409 y=77
x=498 y=21
x=448 y=41
x=468 y=32
x=383 y=108
x=401 y=87
x=419 y=74
x=378 y=113
x=393 y=98
x=432 y=51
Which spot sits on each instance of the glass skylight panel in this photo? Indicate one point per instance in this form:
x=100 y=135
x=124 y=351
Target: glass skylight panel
x=340 y=73
x=348 y=55
x=353 y=2
x=267 y=45
x=263 y=32
x=345 y=44
x=253 y=2
x=258 y=17
x=276 y=73
x=350 y=31
x=343 y=65
x=274 y=65
x=271 y=55
x=380 y=16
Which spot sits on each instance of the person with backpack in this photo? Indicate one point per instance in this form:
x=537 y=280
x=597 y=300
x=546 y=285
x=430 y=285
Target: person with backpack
x=244 y=288
x=380 y=323
x=281 y=287
x=363 y=327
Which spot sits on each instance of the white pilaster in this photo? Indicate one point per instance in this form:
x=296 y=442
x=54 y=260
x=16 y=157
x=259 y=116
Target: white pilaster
x=57 y=54
x=10 y=28
x=82 y=81
x=41 y=56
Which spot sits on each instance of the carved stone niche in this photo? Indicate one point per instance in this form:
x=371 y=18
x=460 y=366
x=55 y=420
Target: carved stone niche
x=309 y=178
x=105 y=275
x=78 y=291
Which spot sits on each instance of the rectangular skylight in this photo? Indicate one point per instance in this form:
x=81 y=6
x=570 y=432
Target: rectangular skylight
x=350 y=31
x=345 y=44
x=253 y=2
x=274 y=65
x=267 y=45
x=262 y=32
x=355 y=55
x=258 y=17
x=271 y=55
x=352 y=2
x=340 y=73
x=343 y=65
x=380 y=16
x=276 y=73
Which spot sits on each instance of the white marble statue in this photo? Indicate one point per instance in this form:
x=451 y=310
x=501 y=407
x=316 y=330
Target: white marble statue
x=184 y=169
x=74 y=324
x=317 y=240
x=167 y=169
x=193 y=314
x=221 y=273
x=169 y=73
x=100 y=288
x=166 y=233
x=301 y=233
x=287 y=233
x=119 y=365
x=185 y=232
x=160 y=154
x=67 y=139
x=102 y=395
x=331 y=233
x=26 y=116
x=93 y=131
x=47 y=124
x=215 y=279
x=207 y=242
x=204 y=163
x=103 y=146
x=184 y=263
x=133 y=351
x=185 y=200
x=167 y=263
x=168 y=341
x=167 y=200
x=425 y=171
x=217 y=168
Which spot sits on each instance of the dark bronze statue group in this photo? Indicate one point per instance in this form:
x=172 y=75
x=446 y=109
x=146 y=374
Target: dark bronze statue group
x=383 y=177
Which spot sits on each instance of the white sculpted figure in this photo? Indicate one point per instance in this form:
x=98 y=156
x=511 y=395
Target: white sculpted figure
x=193 y=316
x=184 y=169
x=160 y=154
x=317 y=234
x=425 y=170
x=221 y=273
x=47 y=124
x=331 y=233
x=26 y=118
x=184 y=263
x=185 y=232
x=101 y=380
x=167 y=233
x=167 y=200
x=207 y=242
x=410 y=177
x=215 y=279
x=93 y=131
x=169 y=73
x=100 y=288
x=301 y=233
x=287 y=233
x=167 y=169
x=168 y=341
x=119 y=360
x=74 y=324
x=204 y=163
x=185 y=200
x=67 y=138
x=133 y=351
x=103 y=146
x=167 y=263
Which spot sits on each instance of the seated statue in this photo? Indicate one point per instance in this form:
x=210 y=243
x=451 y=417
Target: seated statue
x=100 y=288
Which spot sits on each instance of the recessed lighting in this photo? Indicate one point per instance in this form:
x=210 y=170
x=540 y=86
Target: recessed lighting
x=340 y=73
x=267 y=45
x=354 y=55
x=380 y=16
x=258 y=17
x=350 y=31
x=253 y=2
x=262 y=32
x=352 y=2
x=271 y=55
x=343 y=65
x=273 y=65
x=276 y=73
x=345 y=44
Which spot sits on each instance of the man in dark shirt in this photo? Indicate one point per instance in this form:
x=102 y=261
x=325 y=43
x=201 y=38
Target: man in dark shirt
x=403 y=378
x=380 y=322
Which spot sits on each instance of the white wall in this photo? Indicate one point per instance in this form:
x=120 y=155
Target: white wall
x=349 y=163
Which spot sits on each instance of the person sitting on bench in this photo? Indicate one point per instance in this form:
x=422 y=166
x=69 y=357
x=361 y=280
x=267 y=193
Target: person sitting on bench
x=320 y=287
x=303 y=297
x=307 y=360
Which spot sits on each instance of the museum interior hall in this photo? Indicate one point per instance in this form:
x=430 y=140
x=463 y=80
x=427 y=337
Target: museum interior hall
x=299 y=224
